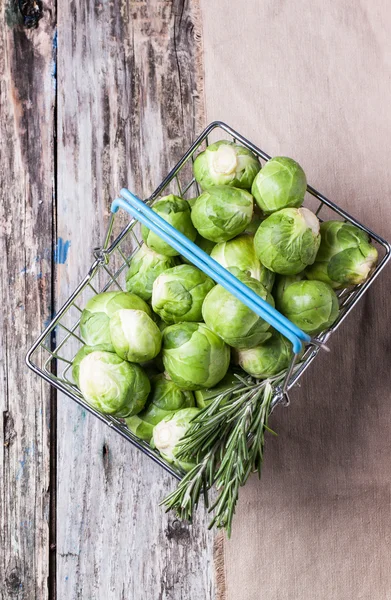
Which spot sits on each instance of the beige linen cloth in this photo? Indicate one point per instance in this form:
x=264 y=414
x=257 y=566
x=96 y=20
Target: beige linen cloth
x=312 y=80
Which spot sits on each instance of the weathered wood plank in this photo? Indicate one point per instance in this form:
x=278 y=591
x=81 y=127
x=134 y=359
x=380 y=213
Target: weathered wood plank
x=313 y=85
x=128 y=106
x=26 y=191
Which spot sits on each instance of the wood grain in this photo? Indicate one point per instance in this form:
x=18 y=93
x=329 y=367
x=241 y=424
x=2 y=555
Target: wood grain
x=314 y=85
x=26 y=191
x=128 y=105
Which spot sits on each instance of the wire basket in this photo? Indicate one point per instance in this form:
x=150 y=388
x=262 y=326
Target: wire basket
x=52 y=353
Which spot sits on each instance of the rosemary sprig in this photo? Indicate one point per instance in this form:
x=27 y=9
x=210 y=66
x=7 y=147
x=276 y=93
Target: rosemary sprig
x=226 y=441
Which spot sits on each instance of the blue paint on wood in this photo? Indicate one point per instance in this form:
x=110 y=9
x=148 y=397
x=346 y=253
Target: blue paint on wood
x=54 y=60
x=22 y=463
x=61 y=251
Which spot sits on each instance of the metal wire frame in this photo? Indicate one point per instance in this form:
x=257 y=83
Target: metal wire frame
x=52 y=348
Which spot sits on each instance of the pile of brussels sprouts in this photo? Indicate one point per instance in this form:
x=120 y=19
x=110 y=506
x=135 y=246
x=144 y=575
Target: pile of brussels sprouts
x=161 y=351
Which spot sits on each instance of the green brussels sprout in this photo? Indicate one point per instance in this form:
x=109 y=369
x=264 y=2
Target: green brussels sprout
x=226 y=163
x=193 y=356
x=222 y=212
x=145 y=266
x=135 y=336
x=165 y=399
x=232 y=320
x=267 y=359
x=281 y=183
x=168 y=432
x=288 y=240
x=240 y=253
x=178 y=294
x=84 y=351
x=112 y=385
x=281 y=283
x=345 y=255
x=176 y=212
x=206 y=396
x=95 y=318
x=311 y=305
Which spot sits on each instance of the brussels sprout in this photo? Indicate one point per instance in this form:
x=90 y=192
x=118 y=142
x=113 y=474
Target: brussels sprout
x=226 y=163
x=222 y=212
x=232 y=320
x=311 y=305
x=267 y=359
x=170 y=431
x=240 y=253
x=281 y=183
x=178 y=294
x=345 y=256
x=94 y=322
x=145 y=266
x=193 y=356
x=206 y=396
x=288 y=240
x=112 y=385
x=176 y=212
x=84 y=351
x=281 y=283
x=134 y=335
x=165 y=399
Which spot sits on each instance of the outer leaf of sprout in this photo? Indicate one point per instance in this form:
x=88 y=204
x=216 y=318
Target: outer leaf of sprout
x=311 y=305
x=280 y=184
x=221 y=213
x=231 y=320
x=145 y=266
x=194 y=356
x=112 y=385
x=94 y=322
x=178 y=294
x=226 y=163
x=176 y=212
x=288 y=241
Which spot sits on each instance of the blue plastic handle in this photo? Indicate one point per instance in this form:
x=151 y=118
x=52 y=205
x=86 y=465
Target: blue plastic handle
x=139 y=210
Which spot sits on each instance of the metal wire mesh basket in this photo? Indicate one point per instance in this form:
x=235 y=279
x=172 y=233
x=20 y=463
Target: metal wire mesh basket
x=52 y=353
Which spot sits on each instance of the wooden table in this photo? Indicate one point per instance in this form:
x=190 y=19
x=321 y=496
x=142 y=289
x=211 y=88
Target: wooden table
x=97 y=96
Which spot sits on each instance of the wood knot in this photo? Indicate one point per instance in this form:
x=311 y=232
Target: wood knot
x=178 y=531
x=13 y=582
x=8 y=428
x=106 y=460
x=31 y=11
